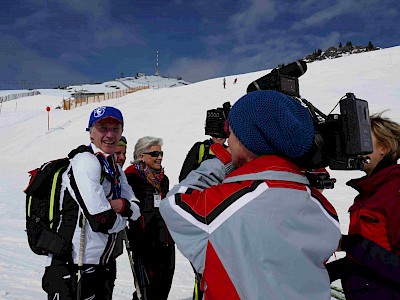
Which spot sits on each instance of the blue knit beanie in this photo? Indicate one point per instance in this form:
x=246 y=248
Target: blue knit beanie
x=269 y=122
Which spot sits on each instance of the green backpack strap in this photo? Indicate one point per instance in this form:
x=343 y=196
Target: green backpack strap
x=53 y=193
x=201 y=153
x=204 y=152
x=103 y=175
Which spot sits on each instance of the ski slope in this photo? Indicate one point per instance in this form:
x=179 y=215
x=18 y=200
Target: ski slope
x=177 y=115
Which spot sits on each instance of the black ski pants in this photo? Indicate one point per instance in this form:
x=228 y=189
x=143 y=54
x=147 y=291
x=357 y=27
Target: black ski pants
x=155 y=271
x=60 y=282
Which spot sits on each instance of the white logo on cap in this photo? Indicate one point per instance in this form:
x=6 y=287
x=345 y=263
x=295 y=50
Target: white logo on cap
x=98 y=112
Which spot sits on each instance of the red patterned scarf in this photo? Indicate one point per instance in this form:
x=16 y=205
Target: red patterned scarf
x=153 y=177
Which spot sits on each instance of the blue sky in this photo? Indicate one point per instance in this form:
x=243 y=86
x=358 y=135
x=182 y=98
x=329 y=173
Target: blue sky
x=45 y=43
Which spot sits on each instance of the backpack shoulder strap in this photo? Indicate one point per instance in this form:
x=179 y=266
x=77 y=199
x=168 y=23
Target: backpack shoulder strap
x=201 y=153
x=80 y=149
x=204 y=151
x=104 y=174
x=84 y=148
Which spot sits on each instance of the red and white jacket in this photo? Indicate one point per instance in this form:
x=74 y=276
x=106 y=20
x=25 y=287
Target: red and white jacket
x=258 y=233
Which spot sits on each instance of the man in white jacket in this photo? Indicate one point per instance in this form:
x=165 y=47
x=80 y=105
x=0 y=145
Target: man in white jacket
x=96 y=201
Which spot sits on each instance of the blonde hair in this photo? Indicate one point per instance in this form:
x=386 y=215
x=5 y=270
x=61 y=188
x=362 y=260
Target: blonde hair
x=387 y=133
x=144 y=144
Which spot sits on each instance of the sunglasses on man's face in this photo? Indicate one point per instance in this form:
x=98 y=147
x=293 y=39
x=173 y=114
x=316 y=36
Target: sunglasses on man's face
x=104 y=129
x=155 y=153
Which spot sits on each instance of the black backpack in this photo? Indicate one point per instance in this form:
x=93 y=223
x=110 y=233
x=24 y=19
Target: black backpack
x=42 y=206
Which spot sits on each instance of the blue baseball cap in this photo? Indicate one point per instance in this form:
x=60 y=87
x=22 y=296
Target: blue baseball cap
x=102 y=112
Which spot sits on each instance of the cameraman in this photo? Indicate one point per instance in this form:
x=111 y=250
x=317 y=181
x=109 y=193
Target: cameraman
x=199 y=152
x=216 y=122
x=371 y=268
x=257 y=232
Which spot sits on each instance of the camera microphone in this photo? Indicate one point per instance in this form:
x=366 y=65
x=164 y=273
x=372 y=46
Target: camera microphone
x=294 y=69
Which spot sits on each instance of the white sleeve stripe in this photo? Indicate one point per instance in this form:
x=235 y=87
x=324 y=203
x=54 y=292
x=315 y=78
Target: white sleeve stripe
x=218 y=221
x=234 y=207
x=324 y=210
x=188 y=217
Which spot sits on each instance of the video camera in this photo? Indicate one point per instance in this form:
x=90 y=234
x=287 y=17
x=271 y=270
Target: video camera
x=284 y=79
x=216 y=119
x=340 y=139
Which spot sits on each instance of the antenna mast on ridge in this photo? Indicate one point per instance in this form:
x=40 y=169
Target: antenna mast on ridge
x=157 y=64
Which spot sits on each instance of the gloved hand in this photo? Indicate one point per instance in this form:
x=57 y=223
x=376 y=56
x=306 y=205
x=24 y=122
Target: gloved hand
x=121 y=206
x=222 y=153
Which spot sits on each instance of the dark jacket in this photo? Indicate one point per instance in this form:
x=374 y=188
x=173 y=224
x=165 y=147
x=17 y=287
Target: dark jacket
x=149 y=230
x=194 y=157
x=376 y=210
x=371 y=267
x=152 y=244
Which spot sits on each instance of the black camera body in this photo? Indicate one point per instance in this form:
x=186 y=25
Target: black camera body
x=340 y=139
x=283 y=79
x=216 y=119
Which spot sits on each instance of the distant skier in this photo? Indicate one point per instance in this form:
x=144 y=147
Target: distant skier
x=224 y=83
x=235 y=81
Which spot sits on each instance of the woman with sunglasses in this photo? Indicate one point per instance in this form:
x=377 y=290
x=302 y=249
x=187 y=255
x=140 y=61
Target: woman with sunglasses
x=152 y=245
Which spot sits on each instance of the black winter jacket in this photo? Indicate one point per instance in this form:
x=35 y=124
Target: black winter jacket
x=149 y=230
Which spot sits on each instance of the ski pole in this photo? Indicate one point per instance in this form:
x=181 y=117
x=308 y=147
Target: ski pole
x=80 y=261
x=128 y=250
x=143 y=278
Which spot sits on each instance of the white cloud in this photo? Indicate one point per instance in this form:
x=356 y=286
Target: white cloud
x=193 y=70
x=322 y=16
x=244 y=22
x=96 y=8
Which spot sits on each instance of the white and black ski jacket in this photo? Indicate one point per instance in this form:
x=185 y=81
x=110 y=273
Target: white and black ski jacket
x=84 y=183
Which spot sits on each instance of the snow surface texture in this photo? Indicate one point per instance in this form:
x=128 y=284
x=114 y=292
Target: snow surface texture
x=177 y=115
